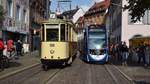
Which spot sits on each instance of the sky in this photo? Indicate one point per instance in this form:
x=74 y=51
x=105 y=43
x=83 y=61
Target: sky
x=84 y=4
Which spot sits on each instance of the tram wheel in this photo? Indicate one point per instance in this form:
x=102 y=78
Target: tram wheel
x=45 y=67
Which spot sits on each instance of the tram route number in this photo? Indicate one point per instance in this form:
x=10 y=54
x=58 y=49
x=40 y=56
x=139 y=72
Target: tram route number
x=52 y=45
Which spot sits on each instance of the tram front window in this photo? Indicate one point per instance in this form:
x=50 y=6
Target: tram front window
x=52 y=34
x=96 y=43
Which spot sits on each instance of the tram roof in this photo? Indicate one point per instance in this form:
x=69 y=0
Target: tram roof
x=57 y=21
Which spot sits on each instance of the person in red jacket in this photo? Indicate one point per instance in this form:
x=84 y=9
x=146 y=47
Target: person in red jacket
x=10 y=46
x=1 y=54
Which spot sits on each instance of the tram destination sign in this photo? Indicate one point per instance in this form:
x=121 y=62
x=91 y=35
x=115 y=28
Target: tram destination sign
x=52 y=26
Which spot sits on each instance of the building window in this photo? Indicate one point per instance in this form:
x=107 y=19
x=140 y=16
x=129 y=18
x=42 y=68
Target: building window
x=18 y=12
x=9 y=8
x=24 y=16
x=144 y=20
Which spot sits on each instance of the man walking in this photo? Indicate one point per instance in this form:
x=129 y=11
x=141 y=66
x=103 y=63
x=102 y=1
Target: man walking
x=141 y=54
x=124 y=53
x=19 y=48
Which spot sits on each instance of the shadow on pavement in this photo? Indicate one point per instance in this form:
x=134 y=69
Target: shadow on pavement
x=14 y=64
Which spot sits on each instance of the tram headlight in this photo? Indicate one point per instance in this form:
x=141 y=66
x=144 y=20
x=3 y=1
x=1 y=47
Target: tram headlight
x=98 y=46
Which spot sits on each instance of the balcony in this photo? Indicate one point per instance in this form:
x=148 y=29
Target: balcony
x=22 y=27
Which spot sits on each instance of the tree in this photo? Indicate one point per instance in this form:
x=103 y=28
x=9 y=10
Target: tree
x=137 y=8
x=2 y=14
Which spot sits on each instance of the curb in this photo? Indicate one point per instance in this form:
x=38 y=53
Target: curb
x=126 y=76
x=17 y=71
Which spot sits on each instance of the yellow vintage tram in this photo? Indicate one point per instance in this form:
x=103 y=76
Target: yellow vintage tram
x=58 y=42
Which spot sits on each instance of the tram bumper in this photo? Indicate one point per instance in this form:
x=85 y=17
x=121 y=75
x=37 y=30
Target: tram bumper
x=98 y=58
x=53 y=61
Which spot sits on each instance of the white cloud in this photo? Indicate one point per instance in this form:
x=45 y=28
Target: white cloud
x=98 y=0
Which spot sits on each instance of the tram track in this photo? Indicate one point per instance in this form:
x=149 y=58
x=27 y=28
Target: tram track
x=89 y=74
x=107 y=74
x=17 y=71
x=43 y=77
x=52 y=76
x=18 y=76
x=117 y=75
x=31 y=75
x=111 y=74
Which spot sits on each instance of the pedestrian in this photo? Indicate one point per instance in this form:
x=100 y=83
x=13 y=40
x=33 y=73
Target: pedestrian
x=124 y=53
x=120 y=51
x=116 y=49
x=1 y=54
x=141 y=54
x=130 y=51
x=147 y=52
x=111 y=51
x=19 y=48
x=10 y=47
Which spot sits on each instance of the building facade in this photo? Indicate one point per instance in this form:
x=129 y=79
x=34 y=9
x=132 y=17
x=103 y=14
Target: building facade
x=23 y=20
x=39 y=11
x=16 y=23
x=96 y=14
x=121 y=27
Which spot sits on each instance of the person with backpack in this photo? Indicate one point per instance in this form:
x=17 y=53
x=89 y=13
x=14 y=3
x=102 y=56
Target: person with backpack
x=1 y=54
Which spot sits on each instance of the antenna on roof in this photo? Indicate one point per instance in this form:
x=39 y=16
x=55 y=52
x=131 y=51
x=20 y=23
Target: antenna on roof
x=58 y=12
x=63 y=3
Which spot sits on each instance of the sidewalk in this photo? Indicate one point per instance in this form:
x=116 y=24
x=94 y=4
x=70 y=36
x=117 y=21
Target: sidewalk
x=25 y=61
x=135 y=72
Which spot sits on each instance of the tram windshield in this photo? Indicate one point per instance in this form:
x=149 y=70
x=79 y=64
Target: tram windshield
x=52 y=34
x=97 y=39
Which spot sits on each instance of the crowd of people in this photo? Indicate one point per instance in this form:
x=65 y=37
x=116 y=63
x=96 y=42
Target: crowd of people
x=120 y=52
x=11 y=49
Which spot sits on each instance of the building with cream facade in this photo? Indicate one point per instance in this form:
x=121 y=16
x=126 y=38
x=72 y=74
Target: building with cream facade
x=120 y=25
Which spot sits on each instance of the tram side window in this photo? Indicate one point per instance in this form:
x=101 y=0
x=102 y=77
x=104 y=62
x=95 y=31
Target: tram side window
x=52 y=34
x=42 y=33
x=62 y=32
x=67 y=33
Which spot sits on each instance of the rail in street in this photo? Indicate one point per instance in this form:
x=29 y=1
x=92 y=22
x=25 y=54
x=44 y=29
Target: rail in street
x=82 y=73
x=79 y=73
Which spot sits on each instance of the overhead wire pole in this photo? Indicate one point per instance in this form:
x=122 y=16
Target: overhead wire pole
x=65 y=1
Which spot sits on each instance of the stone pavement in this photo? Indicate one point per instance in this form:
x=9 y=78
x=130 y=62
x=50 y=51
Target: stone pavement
x=135 y=72
x=25 y=61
